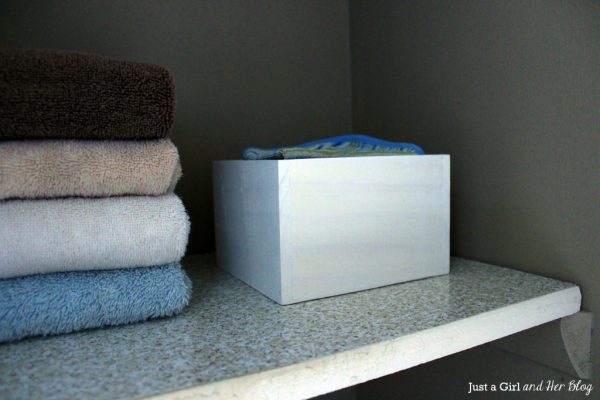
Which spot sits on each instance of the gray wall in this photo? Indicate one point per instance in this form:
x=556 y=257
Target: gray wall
x=511 y=89
x=247 y=72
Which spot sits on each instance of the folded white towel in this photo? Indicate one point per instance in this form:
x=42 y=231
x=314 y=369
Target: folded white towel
x=73 y=234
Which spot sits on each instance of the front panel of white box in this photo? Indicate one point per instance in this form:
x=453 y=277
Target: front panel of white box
x=358 y=223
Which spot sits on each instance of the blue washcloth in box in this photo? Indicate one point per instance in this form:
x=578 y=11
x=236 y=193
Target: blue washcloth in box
x=338 y=146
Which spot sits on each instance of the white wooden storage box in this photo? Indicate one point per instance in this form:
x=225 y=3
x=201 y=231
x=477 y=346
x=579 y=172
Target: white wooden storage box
x=299 y=230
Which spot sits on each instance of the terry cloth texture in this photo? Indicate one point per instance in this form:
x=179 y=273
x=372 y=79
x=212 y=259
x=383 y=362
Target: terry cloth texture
x=74 y=234
x=338 y=146
x=31 y=169
x=65 y=302
x=51 y=94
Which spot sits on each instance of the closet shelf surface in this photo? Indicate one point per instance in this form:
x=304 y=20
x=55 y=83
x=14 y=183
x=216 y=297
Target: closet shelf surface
x=231 y=341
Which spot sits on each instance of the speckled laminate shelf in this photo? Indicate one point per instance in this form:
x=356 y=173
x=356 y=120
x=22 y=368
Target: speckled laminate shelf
x=233 y=341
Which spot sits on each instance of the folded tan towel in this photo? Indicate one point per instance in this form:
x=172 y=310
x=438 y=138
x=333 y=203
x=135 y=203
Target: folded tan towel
x=88 y=168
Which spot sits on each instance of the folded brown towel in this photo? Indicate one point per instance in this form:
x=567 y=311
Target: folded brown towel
x=33 y=169
x=50 y=94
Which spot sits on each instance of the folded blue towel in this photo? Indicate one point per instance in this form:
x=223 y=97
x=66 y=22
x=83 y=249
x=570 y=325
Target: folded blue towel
x=48 y=304
x=338 y=146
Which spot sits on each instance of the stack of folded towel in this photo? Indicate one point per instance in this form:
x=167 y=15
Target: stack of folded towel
x=91 y=233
